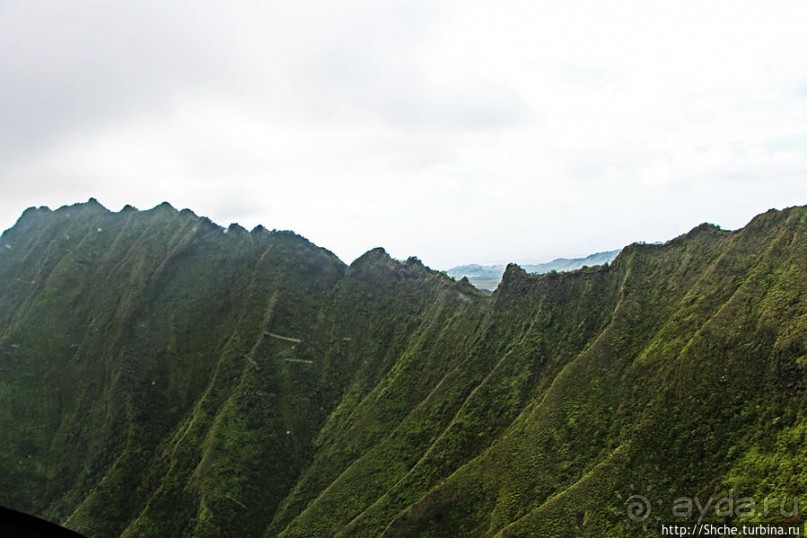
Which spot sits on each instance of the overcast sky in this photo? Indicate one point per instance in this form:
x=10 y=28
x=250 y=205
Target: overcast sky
x=457 y=132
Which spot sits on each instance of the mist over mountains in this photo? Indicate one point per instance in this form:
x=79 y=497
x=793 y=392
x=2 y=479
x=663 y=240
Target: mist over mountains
x=163 y=376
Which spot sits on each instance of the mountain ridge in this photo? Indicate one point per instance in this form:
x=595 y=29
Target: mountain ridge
x=171 y=378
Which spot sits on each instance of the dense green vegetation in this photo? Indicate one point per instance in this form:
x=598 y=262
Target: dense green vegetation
x=162 y=376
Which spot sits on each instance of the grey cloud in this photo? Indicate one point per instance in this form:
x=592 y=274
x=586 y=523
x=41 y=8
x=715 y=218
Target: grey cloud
x=68 y=67
x=209 y=104
x=370 y=66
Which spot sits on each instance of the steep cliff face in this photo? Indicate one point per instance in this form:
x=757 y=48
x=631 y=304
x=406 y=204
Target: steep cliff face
x=142 y=386
x=162 y=376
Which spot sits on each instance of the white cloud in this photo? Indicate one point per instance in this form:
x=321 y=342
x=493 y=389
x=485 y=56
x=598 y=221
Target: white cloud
x=454 y=131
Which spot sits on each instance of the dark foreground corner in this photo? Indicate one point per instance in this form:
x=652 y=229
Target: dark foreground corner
x=14 y=524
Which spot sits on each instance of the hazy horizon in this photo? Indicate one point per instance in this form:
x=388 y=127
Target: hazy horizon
x=457 y=132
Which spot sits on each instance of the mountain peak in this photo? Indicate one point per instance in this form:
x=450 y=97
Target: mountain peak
x=163 y=207
x=92 y=205
x=374 y=255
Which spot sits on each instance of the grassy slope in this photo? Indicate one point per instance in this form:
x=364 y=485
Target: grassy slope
x=142 y=394
x=700 y=372
x=146 y=394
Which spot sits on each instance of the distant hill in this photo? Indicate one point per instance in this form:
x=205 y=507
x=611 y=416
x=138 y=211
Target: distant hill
x=487 y=277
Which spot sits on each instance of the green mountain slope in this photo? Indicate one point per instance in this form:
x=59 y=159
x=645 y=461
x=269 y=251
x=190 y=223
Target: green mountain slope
x=162 y=376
